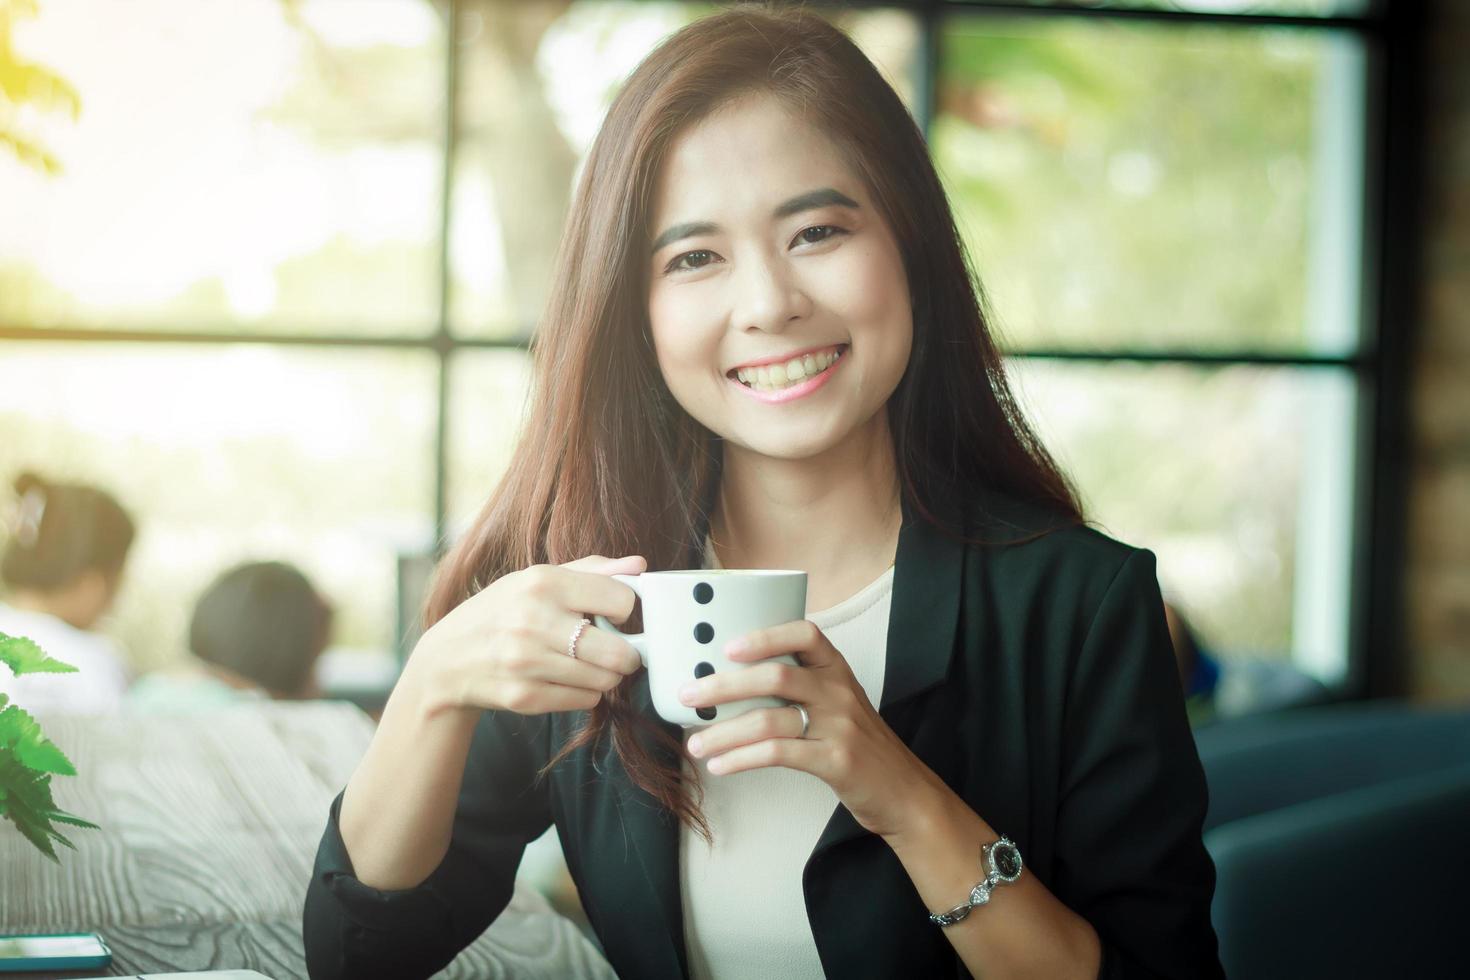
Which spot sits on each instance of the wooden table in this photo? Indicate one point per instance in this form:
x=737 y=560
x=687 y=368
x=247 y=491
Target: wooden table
x=210 y=824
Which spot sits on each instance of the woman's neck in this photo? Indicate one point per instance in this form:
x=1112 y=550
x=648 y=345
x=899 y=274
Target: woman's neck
x=835 y=516
x=229 y=677
x=69 y=606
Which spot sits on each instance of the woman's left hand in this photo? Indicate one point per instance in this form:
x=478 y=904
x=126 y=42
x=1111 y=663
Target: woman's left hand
x=848 y=745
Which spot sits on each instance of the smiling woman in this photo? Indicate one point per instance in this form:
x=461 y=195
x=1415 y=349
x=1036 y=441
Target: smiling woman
x=765 y=349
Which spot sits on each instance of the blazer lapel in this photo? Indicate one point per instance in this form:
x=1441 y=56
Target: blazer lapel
x=922 y=625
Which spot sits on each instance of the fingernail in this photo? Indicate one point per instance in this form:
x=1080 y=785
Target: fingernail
x=686 y=693
x=736 y=646
x=694 y=745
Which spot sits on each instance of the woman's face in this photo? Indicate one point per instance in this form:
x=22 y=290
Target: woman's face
x=767 y=247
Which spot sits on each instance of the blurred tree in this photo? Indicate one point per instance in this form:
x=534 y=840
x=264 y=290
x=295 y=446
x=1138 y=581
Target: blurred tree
x=25 y=85
x=530 y=160
x=1084 y=158
x=505 y=121
x=979 y=87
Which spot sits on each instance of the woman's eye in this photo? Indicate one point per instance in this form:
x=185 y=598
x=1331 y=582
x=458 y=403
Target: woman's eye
x=675 y=266
x=805 y=233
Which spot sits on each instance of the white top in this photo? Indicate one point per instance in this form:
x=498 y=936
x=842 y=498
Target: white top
x=97 y=687
x=744 y=910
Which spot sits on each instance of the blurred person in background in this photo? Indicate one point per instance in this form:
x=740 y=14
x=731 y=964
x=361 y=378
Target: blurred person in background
x=1216 y=687
x=62 y=566
x=255 y=634
x=1199 y=672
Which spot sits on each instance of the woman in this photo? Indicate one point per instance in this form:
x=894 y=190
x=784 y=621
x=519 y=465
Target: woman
x=62 y=566
x=256 y=633
x=757 y=192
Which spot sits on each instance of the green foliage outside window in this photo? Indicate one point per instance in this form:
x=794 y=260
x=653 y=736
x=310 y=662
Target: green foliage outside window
x=1136 y=185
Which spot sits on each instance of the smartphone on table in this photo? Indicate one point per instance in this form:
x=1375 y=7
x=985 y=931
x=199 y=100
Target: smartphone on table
x=72 y=951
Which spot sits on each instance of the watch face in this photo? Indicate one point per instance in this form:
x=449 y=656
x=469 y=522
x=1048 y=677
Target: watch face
x=1006 y=860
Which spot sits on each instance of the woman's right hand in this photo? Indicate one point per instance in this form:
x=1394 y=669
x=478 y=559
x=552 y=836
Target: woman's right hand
x=506 y=646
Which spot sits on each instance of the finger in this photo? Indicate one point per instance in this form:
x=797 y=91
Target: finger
x=558 y=668
x=608 y=649
x=533 y=697
x=767 y=679
x=562 y=698
x=585 y=592
x=750 y=727
x=799 y=636
x=605 y=649
x=788 y=753
x=627 y=564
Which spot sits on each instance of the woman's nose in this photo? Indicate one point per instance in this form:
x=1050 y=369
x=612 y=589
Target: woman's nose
x=768 y=295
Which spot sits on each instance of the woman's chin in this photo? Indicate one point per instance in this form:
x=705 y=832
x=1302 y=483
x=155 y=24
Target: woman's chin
x=775 y=445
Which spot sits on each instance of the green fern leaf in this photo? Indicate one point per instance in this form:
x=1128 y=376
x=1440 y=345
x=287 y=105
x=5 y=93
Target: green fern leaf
x=22 y=656
x=61 y=816
x=28 y=758
x=20 y=734
x=28 y=802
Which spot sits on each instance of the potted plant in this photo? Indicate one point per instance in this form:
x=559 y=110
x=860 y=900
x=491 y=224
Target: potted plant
x=28 y=759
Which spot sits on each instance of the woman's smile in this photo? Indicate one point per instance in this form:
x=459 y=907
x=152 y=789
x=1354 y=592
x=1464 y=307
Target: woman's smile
x=788 y=380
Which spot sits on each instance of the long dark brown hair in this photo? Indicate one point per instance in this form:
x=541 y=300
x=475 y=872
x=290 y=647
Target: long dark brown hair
x=609 y=463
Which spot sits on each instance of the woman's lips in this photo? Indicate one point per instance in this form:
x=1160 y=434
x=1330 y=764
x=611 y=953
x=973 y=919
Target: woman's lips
x=798 y=390
x=783 y=358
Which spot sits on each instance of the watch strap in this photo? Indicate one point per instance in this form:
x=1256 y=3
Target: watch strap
x=980 y=894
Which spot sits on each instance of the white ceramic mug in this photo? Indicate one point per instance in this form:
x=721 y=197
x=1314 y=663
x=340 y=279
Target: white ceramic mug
x=689 y=616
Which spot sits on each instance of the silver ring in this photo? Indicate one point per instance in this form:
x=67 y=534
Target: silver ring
x=806 y=719
x=577 y=635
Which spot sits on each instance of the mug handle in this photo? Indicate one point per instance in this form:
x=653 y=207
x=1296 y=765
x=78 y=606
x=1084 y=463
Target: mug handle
x=639 y=641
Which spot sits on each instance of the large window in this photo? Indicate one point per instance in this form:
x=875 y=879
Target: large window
x=1183 y=196
x=268 y=269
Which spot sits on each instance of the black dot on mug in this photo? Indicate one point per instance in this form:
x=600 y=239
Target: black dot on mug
x=703 y=669
x=704 y=632
x=706 y=713
x=703 y=593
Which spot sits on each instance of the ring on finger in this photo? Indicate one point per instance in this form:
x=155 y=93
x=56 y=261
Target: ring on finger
x=577 y=635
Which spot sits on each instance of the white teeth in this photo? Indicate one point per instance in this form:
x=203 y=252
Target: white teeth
x=772 y=377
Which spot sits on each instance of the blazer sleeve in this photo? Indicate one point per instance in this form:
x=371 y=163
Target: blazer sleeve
x=351 y=930
x=1130 y=853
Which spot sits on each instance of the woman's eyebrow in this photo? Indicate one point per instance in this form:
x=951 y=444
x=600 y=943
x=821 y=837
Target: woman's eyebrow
x=821 y=198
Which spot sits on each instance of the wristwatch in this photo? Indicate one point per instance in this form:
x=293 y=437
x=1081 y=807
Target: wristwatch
x=1001 y=861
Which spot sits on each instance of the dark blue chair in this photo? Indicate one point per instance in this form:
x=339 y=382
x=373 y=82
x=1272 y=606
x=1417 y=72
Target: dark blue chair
x=1341 y=840
x=1264 y=762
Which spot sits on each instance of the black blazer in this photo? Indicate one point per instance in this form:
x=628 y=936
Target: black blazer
x=1036 y=679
